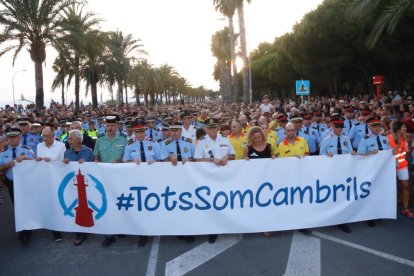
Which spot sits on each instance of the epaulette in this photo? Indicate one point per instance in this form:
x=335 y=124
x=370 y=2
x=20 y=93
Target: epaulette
x=168 y=141
x=159 y=140
x=366 y=136
x=131 y=141
x=58 y=139
x=101 y=135
x=6 y=148
x=202 y=138
x=25 y=147
x=315 y=128
x=149 y=139
x=357 y=124
x=187 y=139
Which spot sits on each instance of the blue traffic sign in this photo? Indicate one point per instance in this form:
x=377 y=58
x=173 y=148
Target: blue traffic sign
x=302 y=87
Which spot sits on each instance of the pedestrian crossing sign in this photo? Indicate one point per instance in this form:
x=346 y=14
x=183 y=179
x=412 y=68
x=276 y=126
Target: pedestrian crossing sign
x=302 y=87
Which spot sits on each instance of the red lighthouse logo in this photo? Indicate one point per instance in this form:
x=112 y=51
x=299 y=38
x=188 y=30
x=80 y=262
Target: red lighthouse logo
x=83 y=212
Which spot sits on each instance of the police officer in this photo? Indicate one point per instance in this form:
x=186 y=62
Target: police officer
x=188 y=130
x=337 y=144
x=166 y=133
x=176 y=149
x=318 y=124
x=100 y=125
x=297 y=120
x=360 y=130
x=109 y=148
x=92 y=132
x=144 y=149
x=280 y=131
x=214 y=148
x=27 y=138
x=372 y=143
x=314 y=137
x=349 y=121
x=151 y=131
x=15 y=152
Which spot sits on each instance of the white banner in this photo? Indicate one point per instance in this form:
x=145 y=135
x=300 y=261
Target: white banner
x=201 y=198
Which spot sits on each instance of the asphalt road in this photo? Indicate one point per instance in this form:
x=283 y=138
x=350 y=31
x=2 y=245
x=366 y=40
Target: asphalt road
x=387 y=249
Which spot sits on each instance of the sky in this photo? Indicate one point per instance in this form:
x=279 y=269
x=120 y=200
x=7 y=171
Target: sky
x=173 y=32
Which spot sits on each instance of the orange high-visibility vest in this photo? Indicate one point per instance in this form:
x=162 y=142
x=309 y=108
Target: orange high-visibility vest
x=402 y=163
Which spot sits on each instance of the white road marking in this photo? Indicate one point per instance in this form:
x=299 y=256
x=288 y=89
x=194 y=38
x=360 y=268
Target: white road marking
x=152 y=262
x=304 y=256
x=199 y=255
x=366 y=249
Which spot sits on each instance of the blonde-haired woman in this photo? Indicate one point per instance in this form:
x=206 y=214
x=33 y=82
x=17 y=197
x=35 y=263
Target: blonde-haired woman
x=257 y=146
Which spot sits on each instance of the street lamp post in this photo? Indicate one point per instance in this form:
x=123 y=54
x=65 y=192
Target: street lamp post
x=14 y=101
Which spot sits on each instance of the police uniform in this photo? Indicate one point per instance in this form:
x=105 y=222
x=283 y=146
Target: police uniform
x=348 y=124
x=320 y=127
x=373 y=142
x=154 y=134
x=101 y=129
x=336 y=145
x=110 y=151
x=8 y=154
x=182 y=148
x=148 y=147
x=357 y=133
x=280 y=134
x=29 y=139
x=209 y=148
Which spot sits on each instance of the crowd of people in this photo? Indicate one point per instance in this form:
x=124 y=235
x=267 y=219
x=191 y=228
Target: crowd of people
x=210 y=132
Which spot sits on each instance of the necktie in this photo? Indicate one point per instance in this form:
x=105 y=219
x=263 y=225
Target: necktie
x=379 y=143
x=307 y=130
x=151 y=133
x=14 y=153
x=318 y=127
x=24 y=140
x=339 y=145
x=141 y=148
x=350 y=124
x=366 y=130
x=179 y=152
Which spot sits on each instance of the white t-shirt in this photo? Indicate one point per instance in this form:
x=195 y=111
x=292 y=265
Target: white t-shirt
x=265 y=107
x=56 y=152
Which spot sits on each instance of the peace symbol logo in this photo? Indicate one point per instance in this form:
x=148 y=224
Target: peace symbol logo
x=81 y=208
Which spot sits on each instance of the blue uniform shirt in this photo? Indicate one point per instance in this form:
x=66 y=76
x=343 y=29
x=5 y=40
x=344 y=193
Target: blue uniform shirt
x=321 y=127
x=349 y=124
x=31 y=141
x=358 y=132
x=330 y=144
x=85 y=126
x=7 y=155
x=371 y=142
x=101 y=129
x=169 y=146
x=313 y=140
x=152 y=150
x=156 y=134
x=84 y=153
x=280 y=134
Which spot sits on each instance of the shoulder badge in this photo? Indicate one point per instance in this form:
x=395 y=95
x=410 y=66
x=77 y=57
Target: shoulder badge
x=357 y=124
x=26 y=147
x=5 y=149
x=131 y=141
x=150 y=139
x=187 y=139
x=202 y=138
x=168 y=141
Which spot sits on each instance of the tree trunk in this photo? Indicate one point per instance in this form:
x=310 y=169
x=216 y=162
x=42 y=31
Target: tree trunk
x=234 y=97
x=243 y=48
x=119 y=95
x=146 y=99
x=94 y=94
x=126 y=95
x=77 y=83
x=137 y=96
x=63 y=92
x=223 y=77
x=229 y=91
x=39 y=85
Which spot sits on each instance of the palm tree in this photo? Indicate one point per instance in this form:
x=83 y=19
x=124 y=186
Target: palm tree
x=228 y=9
x=62 y=68
x=73 y=41
x=221 y=50
x=121 y=47
x=390 y=16
x=243 y=48
x=33 y=24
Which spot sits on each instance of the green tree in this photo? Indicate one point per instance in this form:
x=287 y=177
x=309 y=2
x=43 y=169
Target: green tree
x=220 y=48
x=390 y=14
x=31 y=23
x=228 y=9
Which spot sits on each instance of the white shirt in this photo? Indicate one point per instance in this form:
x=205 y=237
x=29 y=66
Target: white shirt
x=56 y=151
x=207 y=148
x=190 y=133
x=265 y=107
